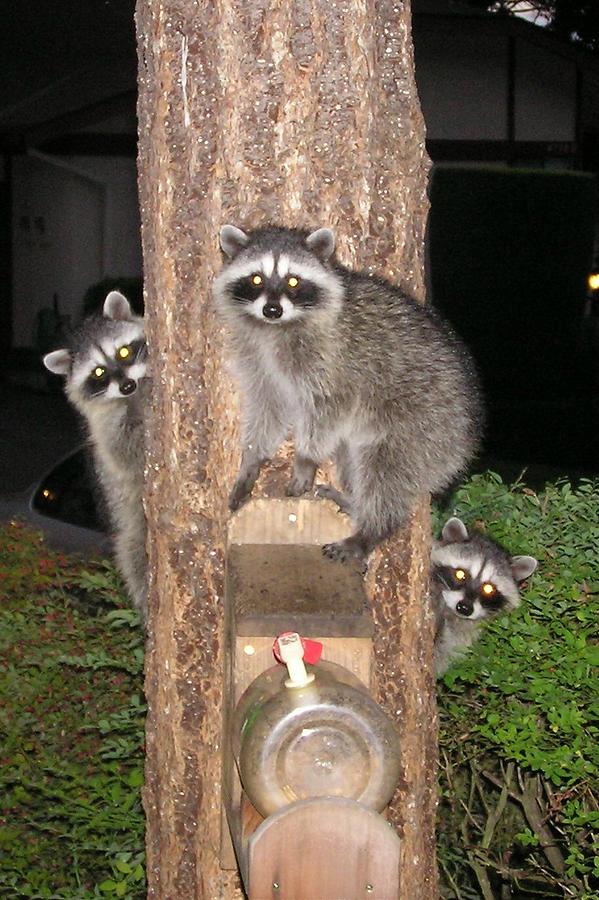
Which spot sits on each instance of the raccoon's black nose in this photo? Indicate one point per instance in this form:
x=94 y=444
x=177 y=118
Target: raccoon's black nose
x=272 y=311
x=127 y=386
x=464 y=609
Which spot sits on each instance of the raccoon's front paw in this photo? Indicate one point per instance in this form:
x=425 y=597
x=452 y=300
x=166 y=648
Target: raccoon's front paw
x=327 y=492
x=304 y=470
x=345 y=550
x=298 y=486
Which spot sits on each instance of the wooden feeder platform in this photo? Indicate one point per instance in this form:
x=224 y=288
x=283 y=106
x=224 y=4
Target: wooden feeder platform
x=278 y=580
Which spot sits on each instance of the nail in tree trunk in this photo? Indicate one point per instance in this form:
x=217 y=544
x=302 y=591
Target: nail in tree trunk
x=296 y=112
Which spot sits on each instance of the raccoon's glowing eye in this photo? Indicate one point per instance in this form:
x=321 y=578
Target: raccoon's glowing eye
x=460 y=575
x=99 y=372
x=124 y=352
x=488 y=589
x=293 y=281
x=257 y=280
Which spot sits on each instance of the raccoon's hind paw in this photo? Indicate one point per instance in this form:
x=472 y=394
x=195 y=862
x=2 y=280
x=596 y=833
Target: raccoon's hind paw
x=346 y=550
x=327 y=492
x=239 y=495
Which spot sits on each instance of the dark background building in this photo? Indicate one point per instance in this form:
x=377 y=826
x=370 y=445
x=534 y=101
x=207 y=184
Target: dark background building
x=496 y=91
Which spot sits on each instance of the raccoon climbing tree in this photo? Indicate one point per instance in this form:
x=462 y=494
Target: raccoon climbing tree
x=303 y=114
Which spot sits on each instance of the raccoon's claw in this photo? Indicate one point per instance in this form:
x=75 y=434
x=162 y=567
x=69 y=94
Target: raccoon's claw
x=335 y=551
x=327 y=492
x=302 y=478
x=238 y=496
x=345 y=550
x=297 y=487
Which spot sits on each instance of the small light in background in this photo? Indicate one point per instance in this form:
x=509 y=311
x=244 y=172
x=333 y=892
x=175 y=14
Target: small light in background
x=593 y=281
x=47 y=494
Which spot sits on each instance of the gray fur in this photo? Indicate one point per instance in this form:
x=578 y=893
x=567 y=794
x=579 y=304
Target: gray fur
x=460 y=608
x=365 y=376
x=115 y=428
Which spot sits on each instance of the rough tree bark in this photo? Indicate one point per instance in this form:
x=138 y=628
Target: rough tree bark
x=300 y=112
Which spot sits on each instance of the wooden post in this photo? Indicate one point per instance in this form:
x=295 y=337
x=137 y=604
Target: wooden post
x=299 y=112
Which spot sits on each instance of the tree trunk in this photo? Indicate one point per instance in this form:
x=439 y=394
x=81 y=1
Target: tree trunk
x=297 y=112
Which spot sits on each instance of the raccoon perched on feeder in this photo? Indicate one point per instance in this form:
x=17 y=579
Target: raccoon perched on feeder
x=357 y=370
x=473 y=579
x=106 y=381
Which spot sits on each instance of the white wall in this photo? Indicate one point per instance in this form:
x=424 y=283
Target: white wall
x=75 y=221
x=57 y=241
x=462 y=77
x=462 y=82
x=122 y=225
x=545 y=101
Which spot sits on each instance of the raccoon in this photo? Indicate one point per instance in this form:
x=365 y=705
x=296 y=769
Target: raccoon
x=106 y=381
x=473 y=579
x=354 y=368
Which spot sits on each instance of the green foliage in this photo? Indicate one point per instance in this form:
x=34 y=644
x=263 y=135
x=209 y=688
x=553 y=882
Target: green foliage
x=519 y=715
x=71 y=727
x=519 y=718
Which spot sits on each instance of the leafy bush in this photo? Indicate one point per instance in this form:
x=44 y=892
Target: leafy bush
x=71 y=727
x=519 y=716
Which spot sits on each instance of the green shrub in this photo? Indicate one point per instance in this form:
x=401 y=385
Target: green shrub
x=71 y=727
x=519 y=716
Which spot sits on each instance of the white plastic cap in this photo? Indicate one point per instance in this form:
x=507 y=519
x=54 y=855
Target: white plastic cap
x=292 y=654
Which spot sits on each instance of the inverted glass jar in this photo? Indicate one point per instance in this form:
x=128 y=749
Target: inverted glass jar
x=326 y=739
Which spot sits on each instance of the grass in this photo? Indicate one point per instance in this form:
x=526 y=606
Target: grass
x=71 y=726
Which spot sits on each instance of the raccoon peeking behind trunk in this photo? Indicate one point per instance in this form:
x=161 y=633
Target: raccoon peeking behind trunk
x=106 y=381
x=354 y=368
x=473 y=579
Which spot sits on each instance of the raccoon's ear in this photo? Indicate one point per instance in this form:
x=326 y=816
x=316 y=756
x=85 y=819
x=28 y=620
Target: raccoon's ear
x=322 y=243
x=522 y=566
x=117 y=307
x=232 y=240
x=454 y=531
x=59 y=362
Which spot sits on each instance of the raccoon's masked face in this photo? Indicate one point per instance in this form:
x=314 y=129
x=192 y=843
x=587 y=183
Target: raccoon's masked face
x=113 y=368
x=277 y=276
x=478 y=580
x=111 y=362
x=469 y=591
